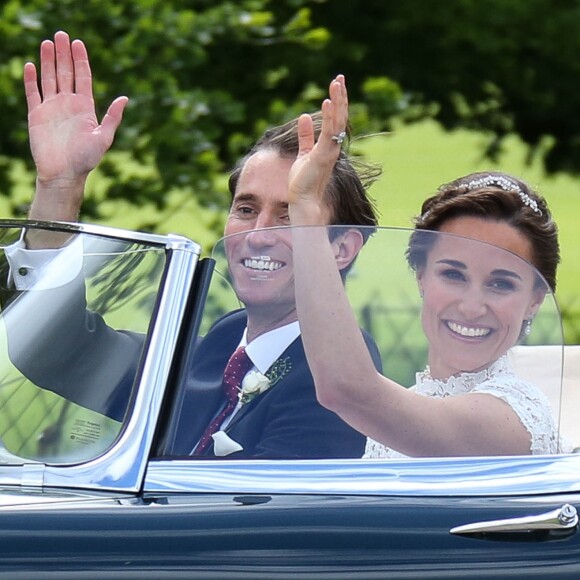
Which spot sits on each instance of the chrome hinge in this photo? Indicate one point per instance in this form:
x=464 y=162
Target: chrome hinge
x=32 y=475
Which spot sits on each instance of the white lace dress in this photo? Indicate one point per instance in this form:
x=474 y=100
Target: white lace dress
x=528 y=401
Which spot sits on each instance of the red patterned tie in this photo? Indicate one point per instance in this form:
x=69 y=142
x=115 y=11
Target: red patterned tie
x=236 y=369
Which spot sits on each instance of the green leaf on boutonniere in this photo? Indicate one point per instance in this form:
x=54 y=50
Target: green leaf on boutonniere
x=255 y=383
x=279 y=370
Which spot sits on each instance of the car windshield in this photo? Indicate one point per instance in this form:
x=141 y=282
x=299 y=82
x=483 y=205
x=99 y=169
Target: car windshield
x=80 y=326
x=65 y=386
x=516 y=334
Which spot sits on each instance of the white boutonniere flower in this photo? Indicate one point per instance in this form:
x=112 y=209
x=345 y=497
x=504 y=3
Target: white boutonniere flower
x=253 y=384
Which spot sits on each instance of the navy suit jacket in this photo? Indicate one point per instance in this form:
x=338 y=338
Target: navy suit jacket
x=286 y=421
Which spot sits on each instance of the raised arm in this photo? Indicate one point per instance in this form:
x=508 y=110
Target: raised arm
x=66 y=139
x=340 y=362
x=345 y=378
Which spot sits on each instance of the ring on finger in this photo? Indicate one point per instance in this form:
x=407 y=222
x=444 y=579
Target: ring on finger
x=339 y=139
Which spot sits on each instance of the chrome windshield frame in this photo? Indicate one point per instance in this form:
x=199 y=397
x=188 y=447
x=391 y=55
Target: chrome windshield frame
x=122 y=467
x=163 y=240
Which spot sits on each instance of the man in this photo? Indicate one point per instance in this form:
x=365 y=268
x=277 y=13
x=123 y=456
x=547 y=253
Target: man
x=283 y=421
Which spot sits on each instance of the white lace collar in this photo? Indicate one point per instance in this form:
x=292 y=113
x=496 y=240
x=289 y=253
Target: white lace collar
x=464 y=382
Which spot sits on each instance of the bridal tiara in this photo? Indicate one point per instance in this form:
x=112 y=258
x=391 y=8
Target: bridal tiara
x=505 y=184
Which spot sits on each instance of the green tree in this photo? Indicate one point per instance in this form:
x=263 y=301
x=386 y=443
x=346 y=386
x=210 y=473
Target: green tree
x=502 y=66
x=205 y=77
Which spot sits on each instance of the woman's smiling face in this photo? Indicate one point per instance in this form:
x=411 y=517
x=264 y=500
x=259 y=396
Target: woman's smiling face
x=476 y=295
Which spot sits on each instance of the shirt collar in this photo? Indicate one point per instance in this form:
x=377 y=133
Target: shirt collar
x=267 y=348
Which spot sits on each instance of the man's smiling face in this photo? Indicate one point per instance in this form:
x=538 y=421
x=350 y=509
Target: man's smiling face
x=260 y=262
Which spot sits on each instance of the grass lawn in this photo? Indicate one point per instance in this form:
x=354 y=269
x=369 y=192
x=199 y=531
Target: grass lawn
x=418 y=158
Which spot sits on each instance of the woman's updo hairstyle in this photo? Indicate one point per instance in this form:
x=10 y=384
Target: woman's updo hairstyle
x=492 y=196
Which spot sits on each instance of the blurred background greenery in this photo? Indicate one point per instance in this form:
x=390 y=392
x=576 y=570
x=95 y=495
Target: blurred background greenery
x=452 y=87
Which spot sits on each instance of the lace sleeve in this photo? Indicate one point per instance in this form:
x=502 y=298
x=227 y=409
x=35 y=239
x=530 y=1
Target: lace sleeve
x=527 y=400
x=376 y=450
x=533 y=409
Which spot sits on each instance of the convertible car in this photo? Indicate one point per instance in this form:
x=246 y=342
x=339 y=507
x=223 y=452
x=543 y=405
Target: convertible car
x=93 y=482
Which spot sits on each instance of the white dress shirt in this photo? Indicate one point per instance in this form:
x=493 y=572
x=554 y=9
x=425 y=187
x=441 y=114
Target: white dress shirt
x=28 y=268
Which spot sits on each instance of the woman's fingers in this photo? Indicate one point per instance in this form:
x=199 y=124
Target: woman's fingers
x=305 y=134
x=335 y=114
x=339 y=98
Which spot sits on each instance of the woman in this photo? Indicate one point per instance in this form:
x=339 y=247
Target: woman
x=468 y=401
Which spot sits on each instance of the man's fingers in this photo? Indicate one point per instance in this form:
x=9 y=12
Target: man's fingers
x=114 y=116
x=47 y=69
x=83 y=82
x=64 y=67
x=31 y=86
x=64 y=63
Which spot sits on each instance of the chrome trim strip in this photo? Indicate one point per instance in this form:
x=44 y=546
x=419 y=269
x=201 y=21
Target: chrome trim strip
x=460 y=477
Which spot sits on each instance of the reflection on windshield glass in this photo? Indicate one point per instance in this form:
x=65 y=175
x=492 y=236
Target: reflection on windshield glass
x=71 y=337
x=466 y=322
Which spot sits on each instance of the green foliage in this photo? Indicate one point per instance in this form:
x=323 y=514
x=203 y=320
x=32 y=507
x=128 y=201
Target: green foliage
x=504 y=66
x=206 y=77
x=203 y=79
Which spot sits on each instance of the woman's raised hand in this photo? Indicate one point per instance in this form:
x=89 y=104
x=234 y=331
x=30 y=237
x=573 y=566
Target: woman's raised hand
x=311 y=172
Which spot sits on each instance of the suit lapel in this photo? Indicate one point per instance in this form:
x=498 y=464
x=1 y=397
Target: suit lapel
x=278 y=373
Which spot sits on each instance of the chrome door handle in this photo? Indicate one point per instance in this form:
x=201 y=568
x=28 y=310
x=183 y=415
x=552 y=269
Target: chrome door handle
x=563 y=518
